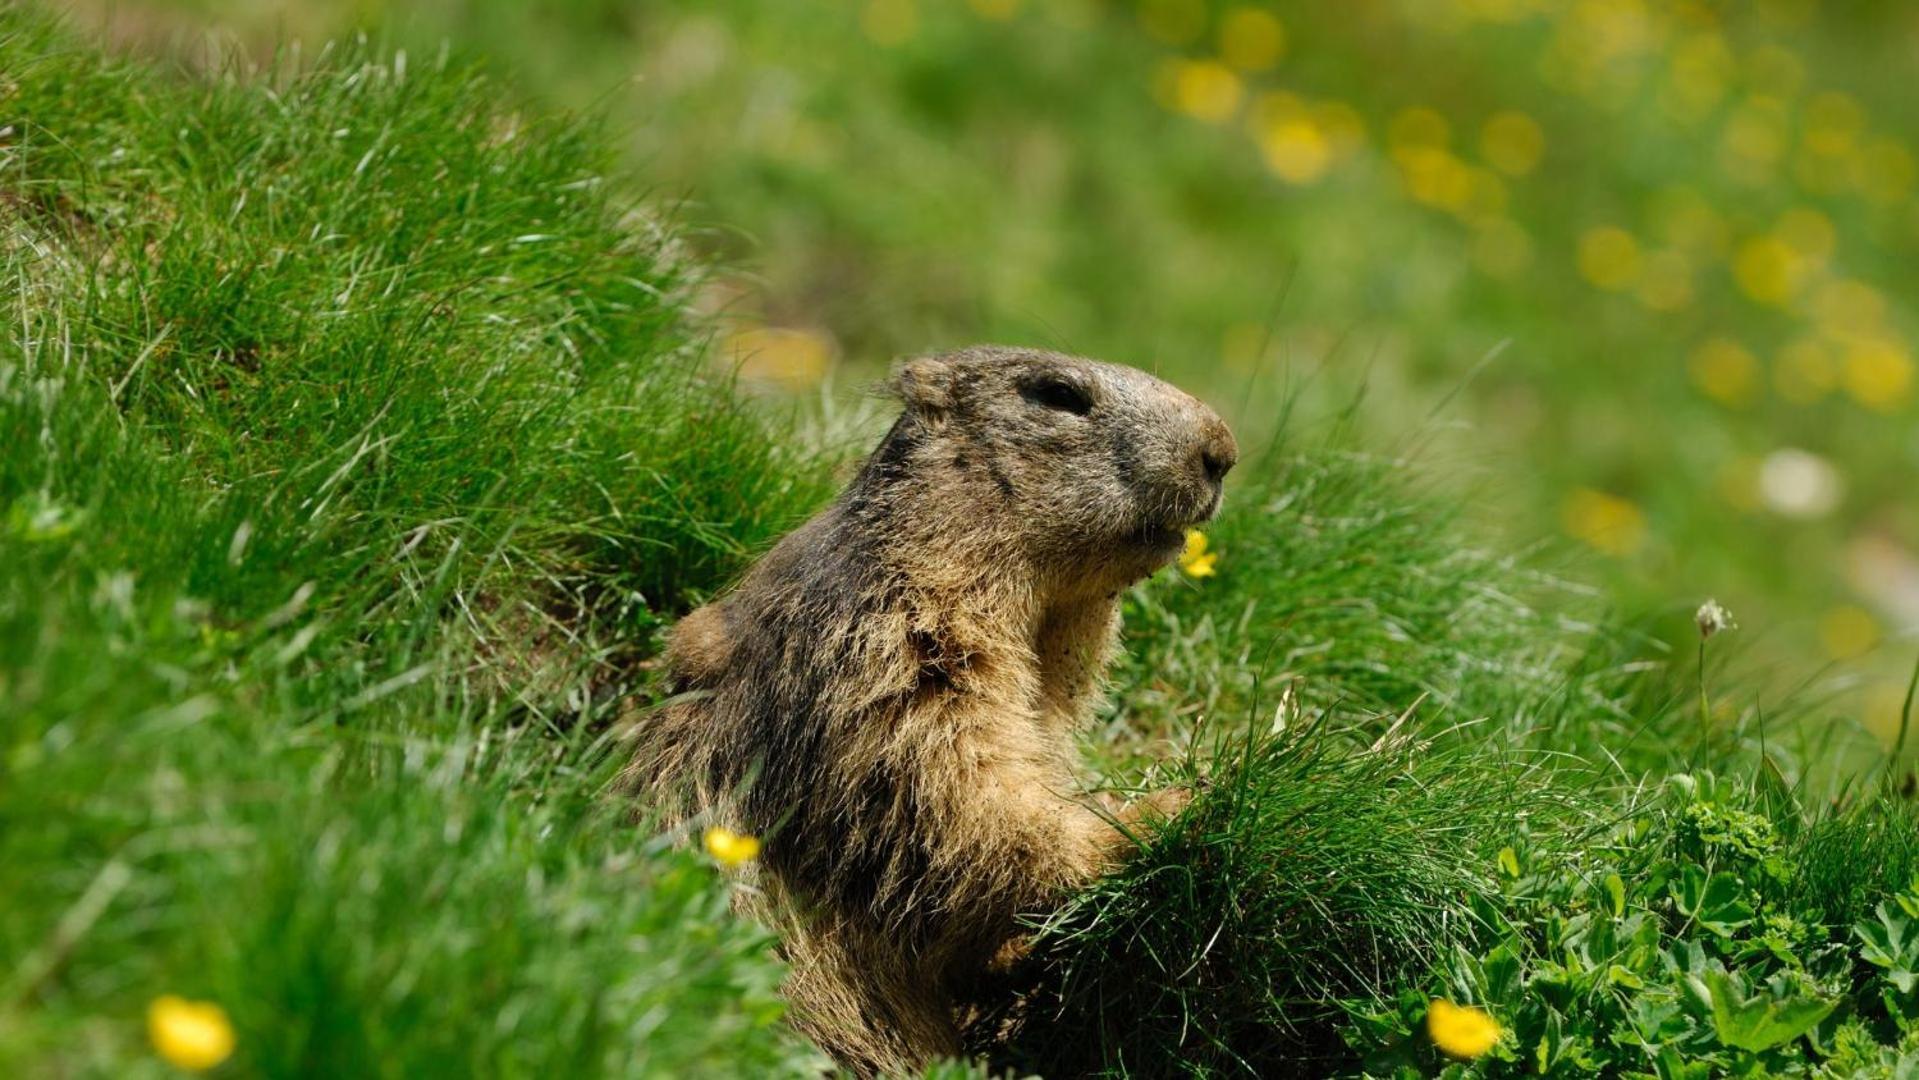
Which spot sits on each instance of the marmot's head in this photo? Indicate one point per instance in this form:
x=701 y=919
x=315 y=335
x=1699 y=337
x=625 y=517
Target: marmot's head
x=1075 y=458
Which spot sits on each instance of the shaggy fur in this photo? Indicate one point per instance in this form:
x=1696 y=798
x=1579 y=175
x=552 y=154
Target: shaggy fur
x=888 y=696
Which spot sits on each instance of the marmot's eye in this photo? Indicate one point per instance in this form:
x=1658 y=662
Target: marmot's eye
x=1058 y=394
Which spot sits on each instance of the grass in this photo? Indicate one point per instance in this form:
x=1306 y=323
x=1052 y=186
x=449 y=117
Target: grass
x=1135 y=181
x=358 y=436
x=1316 y=869
x=347 y=460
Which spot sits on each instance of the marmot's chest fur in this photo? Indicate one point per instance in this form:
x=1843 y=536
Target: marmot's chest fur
x=888 y=696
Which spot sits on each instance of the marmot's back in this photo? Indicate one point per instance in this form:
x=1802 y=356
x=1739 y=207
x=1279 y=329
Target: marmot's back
x=887 y=697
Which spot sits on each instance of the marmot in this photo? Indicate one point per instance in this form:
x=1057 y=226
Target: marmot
x=888 y=696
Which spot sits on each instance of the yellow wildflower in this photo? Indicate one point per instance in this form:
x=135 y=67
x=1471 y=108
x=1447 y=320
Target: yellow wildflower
x=1202 y=89
x=193 y=1035
x=1726 y=371
x=1251 y=39
x=1609 y=258
x=1879 y=374
x=1512 y=142
x=1768 y=270
x=794 y=356
x=1196 y=560
x=730 y=849
x=1607 y=522
x=1296 y=149
x=1848 y=632
x=1460 y=1031
x=1435 y=177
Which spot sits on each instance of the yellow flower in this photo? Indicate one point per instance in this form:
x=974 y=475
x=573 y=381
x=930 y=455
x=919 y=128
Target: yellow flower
x=193 y=1035
x=1879 y=374
x=730 y=849
x=794 y=356
x=1607 y=522
x=1460 y=1031
x=1512 y=143
x=1296 y=149
x=1205 y=90
x=1726 y=371
x=1435 y=177
x=1251 y=39
x=1196 y=560
x=1768 y=270
x=1848 y=632
x=1609 y=258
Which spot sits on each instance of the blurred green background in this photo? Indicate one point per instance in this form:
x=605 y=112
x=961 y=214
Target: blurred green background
x=1639 y=273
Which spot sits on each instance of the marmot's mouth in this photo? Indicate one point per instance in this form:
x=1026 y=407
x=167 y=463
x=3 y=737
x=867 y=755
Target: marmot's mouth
x=1165 y=536
x=1160 y=541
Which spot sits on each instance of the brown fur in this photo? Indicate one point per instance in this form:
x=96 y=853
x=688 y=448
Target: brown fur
x=888 y=696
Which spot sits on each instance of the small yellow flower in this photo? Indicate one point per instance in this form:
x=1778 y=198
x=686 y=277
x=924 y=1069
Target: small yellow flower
x=1609 y=523
x=1196 y=560
x=1460 y=1031
x=194 y=1035
x=1512 y=142
x=1609 y=258
x=731 y=849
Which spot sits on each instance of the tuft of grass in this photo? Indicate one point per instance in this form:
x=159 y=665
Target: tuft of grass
x=1848 y=859
x=353 y=443
x=1315 y=869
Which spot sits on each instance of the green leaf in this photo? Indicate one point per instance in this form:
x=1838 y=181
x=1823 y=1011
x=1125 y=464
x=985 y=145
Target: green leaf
x=1509 y=861
x=1713 y=901
x=1616 y=890
x=1762 y=1022
x=1892 y=942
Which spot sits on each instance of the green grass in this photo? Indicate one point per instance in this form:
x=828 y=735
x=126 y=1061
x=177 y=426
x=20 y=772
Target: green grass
x=886 y=195
x=358 y=436
x=353 y=443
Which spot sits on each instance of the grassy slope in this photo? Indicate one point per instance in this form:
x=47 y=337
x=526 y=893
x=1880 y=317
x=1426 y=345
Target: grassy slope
x=333 y=513
x=350 y=438
x=892 y=197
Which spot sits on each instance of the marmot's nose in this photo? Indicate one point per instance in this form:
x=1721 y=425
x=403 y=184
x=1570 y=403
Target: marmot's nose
x=1218 y=451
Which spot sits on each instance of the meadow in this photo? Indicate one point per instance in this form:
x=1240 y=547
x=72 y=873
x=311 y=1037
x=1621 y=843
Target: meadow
x=365 y=418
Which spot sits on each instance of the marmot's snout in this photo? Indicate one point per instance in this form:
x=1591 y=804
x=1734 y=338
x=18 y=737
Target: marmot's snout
x=1218 y=450
x=1200 y=450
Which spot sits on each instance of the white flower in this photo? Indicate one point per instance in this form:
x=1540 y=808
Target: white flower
x=1712 y=618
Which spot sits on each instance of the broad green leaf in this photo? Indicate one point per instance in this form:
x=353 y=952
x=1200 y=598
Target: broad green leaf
x=1759 y=1023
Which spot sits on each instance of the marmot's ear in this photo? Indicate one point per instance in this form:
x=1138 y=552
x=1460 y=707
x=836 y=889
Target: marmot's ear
x=924 y=383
